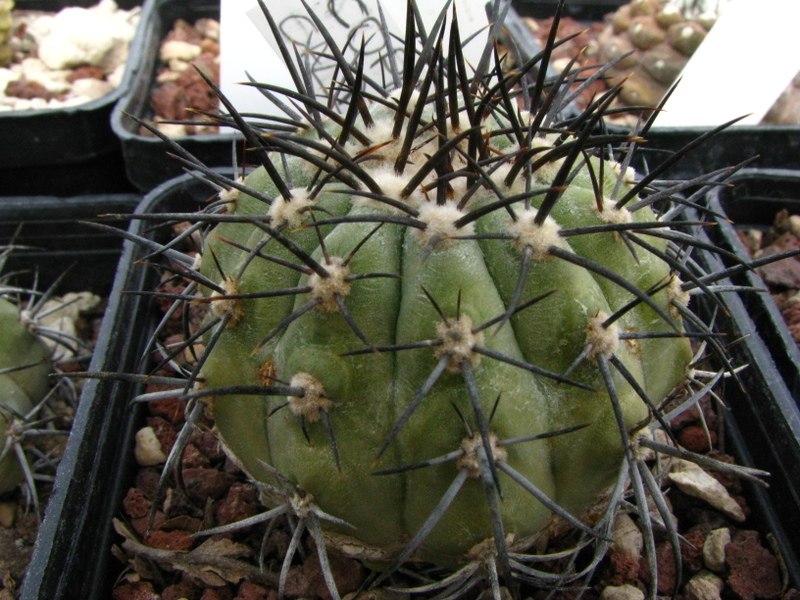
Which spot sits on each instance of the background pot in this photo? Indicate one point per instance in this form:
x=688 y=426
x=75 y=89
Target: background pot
x=66 y=151
x=146 y=161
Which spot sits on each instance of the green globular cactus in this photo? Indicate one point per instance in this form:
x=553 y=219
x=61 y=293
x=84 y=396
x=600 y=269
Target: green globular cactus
x=6 y=6
x=24 y=369
x=442 y=319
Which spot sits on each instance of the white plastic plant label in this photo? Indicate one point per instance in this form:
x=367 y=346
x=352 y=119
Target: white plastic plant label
x=746 y=61
x=249 y=49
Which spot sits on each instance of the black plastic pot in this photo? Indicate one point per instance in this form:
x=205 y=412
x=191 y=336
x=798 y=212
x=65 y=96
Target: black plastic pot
x=146 y=161
x=66 y=151
x=73 y=558
x=751 y=200
x=53 y=241
x=763 y=420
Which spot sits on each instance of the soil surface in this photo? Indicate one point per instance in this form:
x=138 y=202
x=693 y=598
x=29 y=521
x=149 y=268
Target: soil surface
x=725 y=555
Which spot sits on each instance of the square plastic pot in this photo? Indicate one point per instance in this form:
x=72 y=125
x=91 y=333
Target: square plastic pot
x=56 y=244
x=73 y=559
x=751 y=200
x=147 y=163
x=66 y=151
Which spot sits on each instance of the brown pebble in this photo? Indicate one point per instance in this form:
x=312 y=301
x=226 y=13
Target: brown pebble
x=176 y=540
x=754 y=571
x=202 y=483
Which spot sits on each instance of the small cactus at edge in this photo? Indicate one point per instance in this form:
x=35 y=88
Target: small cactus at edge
x=24 y=367
x=442 y=321
x=6 y=6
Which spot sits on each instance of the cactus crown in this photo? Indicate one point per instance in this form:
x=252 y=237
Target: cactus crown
x=443 y=316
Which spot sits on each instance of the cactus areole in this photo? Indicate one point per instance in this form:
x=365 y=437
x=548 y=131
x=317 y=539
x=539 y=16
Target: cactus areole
x=440 y=312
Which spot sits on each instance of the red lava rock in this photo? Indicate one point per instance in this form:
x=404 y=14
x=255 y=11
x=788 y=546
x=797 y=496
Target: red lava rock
x=140 y=590
x=192 y=458
x=695 y=439
x=693 y=556
x=782 y=273
x=208 y=443
x=170 y=540
x=754 y=571
x=136 y=504
x=347 y=573
x=665 y=563
x=624 y=569
x=180 y=591
x=147 y=481
x=240 y=502
x=164 y=432
x=220 y=593
x=27 y=90
x=182 y=31
x=202 y=483
x=169 y=409
x=252 y=591
x=86 y=72
x=140 y=524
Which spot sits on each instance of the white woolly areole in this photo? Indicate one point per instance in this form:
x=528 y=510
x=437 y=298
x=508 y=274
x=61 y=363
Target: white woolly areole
x=231 y=196
x=612 y=214
x=629 y=176
x=539 y=238
x=391 y=184
x=290 y=212
x=458 y=340
x=313 y=402
x=439 y=222
x=604 y=340
x=325 y=289
x=676 y=294
x=547 y=172
x=470 y=446
x=227 y=307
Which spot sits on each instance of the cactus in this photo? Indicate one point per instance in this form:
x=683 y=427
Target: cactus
x=442 y=322
x=6 y=23
x=24 y=367
x=656 y=38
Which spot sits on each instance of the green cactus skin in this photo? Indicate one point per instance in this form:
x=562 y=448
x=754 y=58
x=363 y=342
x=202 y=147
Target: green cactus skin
x=412 y=281
x=20 y=389
x=6 y=6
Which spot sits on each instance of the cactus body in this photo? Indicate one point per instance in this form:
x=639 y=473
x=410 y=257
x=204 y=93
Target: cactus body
x=384 y=302
x=22 y=388
x=6 y=6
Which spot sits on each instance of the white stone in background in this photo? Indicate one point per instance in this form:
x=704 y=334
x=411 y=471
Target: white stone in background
x=694 y=481
x=175 y=49
x=94 y=36
x=91 y=88
x=714 y=549
x=34 y=69
x=115 y=77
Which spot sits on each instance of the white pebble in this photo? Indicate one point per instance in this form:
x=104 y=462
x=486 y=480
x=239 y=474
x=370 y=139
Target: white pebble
x=694 y=481
x=714 y=549
x=704 y=586
x=148 y=449
x=622 y=592
x=177 y=50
